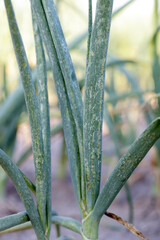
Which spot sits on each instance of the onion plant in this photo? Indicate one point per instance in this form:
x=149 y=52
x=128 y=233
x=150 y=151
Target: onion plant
x=14 y=104
x=82 y=124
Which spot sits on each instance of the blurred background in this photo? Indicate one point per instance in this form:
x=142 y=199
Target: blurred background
x=131 y=102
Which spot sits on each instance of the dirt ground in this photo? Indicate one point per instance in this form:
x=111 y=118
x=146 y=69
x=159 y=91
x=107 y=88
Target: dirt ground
x=146 y=211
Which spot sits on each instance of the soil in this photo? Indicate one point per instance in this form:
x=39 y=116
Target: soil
x=146 y=210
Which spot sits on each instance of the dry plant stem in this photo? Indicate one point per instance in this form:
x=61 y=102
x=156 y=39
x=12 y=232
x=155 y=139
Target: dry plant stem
x=13 y=172
x=33 y=110
x=129 y=226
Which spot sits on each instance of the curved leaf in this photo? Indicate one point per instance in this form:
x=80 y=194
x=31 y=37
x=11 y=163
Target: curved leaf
x=126 y=165
x=14 y=173
x=13 y=220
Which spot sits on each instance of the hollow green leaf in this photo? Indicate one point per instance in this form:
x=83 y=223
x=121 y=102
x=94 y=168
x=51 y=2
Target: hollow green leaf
x=13 y=220
x=17 y=222
x=23 y=220
x=126 y=165
x=67 y=68
x=14 y=173
x=69 y=223
x=93 y=101
x=29 y=183
x=33 y=109
x=42 y=96
x=66 y=112
x=89 y=28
